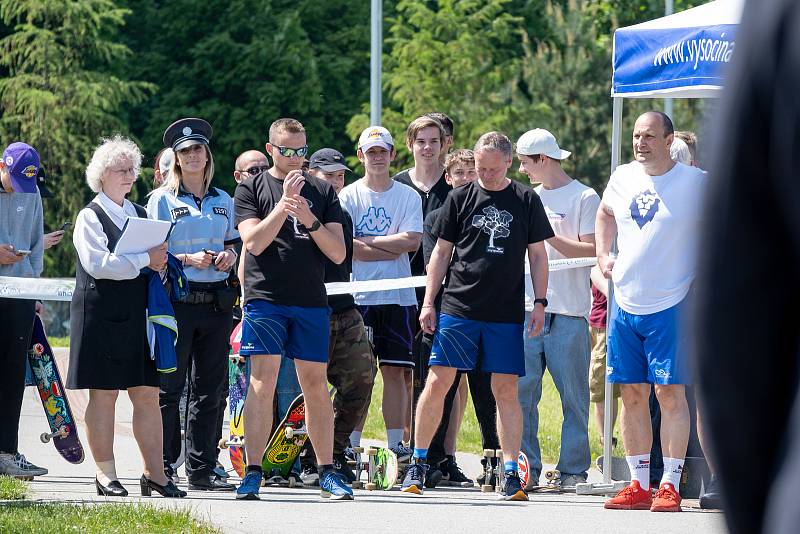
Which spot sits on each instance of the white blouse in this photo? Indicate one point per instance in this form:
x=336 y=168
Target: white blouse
x=92 y=243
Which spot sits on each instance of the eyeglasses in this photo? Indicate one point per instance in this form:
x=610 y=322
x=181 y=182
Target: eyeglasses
x=255 y=171
x=191 y=148
x=287 y=152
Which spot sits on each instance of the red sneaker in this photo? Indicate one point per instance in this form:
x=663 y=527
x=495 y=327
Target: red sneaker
x=631 y=497
x=667 y=499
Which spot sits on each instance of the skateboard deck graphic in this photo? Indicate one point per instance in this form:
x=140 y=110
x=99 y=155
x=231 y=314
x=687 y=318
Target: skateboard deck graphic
x=382 y=468
x=63 y=430
x=524 y=468
x=238 y=382
x=286 y=443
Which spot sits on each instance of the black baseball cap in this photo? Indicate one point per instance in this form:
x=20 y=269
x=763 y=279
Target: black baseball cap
x=328 y=159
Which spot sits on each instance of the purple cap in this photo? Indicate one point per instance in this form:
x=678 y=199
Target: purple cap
x=22 y=162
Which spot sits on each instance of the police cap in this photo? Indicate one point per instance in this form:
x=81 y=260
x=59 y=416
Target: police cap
x=187 y=132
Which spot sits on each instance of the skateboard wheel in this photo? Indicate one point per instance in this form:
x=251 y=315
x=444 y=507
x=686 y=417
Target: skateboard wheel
x=552 y=474
x=357 y=484
x=370 y=486
x=371 y=452
x=358 y=450
x=486 y=488
x=292 y=482
x=44 y=437
x=488 y=453
x=289 y=431
x=223 y=444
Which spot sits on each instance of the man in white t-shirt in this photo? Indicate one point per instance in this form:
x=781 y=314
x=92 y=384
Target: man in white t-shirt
x=563 y=345
x=653 y=205
x=387 y=225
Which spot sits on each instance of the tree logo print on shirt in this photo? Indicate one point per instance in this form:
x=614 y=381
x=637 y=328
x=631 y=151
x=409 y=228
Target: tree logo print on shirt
x=374 y=222
x=644 y=207
x=299 y=230
x=495 y=223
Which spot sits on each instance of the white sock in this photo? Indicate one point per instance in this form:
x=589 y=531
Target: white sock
x=639 y=466
x=106 y=472
x=673 y=467
x=394 y=436
x=355 y=438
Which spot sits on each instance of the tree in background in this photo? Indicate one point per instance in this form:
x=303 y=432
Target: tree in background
x=59 y=98
x=241 y=64
x=450 y=56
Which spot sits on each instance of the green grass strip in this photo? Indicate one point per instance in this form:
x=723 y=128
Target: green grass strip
x=98 y=518
x=12 y=489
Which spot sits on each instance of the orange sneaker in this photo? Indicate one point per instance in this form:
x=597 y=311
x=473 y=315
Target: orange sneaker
x=667 y=499
x=631 y=497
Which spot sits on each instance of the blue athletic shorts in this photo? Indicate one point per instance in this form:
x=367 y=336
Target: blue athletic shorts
x=457 y=342
x=298 y=332
x=647 y=348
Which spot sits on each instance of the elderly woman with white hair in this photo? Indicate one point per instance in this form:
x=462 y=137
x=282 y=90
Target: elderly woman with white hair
x=108 y=342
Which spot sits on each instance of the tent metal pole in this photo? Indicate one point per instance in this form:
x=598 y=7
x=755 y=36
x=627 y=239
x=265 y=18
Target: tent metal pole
x=376 y=64
x=608 y=429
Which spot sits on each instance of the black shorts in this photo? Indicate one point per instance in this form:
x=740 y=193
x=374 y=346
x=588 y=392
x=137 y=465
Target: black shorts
x=390 y=328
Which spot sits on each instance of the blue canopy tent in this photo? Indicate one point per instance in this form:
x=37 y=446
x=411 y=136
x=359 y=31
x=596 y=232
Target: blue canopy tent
x=678 y=56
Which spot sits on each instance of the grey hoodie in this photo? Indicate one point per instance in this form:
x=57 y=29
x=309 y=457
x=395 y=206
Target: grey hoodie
x=22 y=225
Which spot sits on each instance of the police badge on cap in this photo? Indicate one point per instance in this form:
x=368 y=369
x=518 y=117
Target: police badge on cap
x=184 y=133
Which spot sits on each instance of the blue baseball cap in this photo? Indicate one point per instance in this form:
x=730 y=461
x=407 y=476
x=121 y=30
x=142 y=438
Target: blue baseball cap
x=22 y=162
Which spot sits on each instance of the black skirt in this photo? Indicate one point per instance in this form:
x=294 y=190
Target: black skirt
x=108 y=328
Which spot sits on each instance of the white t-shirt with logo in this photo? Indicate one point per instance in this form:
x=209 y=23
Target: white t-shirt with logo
x=658 y=222
x=571 y=210
x=394 y=211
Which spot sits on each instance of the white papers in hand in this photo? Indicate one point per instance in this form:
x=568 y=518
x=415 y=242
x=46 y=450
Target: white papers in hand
x=140 y=235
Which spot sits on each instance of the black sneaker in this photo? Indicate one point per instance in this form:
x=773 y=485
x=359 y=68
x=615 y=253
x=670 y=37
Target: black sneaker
x=511 y=488
x=342 y=466
x=414 y=479
x=711 y=499
x=452 y=474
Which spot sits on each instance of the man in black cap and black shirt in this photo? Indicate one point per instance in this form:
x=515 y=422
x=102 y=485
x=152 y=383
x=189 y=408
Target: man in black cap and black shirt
x=351 y=367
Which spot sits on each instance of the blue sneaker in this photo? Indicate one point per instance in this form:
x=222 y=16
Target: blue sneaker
x=333 y=486
x=414 y=479
x=511 y=488
x=248 y=489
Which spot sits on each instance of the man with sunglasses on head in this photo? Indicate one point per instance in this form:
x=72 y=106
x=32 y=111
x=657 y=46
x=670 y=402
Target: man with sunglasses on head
x=290 y=223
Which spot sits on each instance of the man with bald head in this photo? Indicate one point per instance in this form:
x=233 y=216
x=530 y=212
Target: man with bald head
x=653 y=207
x=249 y=163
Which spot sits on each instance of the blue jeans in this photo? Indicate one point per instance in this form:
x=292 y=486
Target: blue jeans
x=563 y=346
x=286 y=390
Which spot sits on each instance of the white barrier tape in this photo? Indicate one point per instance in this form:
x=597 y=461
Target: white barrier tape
x=61 y=288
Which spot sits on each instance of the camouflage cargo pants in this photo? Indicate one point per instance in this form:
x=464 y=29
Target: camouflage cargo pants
x=351 y=370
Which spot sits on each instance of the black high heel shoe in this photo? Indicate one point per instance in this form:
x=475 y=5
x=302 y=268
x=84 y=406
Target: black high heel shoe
x=114 y=489
x=167 y=490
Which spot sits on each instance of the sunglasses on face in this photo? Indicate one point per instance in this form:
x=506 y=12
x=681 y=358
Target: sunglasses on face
x=255 y=171
x=287 y=152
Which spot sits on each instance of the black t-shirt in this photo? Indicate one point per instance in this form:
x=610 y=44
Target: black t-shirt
x=291 y=270
x=431 y=200
x=341 y=272
x=491 y=231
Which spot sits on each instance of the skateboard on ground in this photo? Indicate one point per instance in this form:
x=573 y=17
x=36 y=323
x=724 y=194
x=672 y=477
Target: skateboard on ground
x=285 y=445
x=491 y=469
x=619 y=468
x=238 y=382
x=63 y=430
x=382 y=468
x=552 y=483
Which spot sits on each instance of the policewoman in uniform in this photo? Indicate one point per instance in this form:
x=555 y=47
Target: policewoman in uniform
x=203 y=239
x=108 y=341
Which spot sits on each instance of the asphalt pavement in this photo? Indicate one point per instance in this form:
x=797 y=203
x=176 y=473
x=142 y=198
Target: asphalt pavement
x=302 y=509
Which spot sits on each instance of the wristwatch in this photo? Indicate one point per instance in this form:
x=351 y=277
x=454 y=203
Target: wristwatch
x=314 y=227
x=543 y=302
